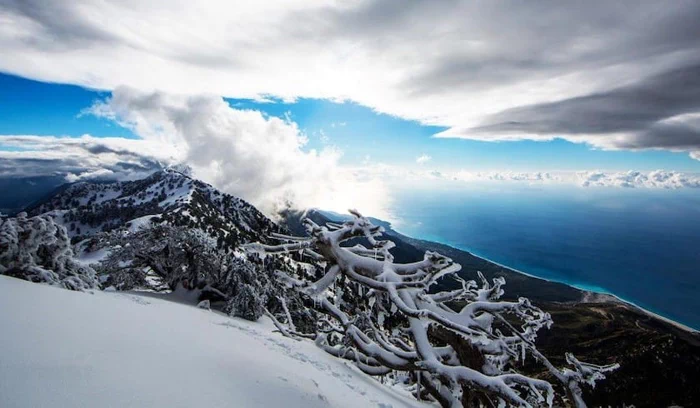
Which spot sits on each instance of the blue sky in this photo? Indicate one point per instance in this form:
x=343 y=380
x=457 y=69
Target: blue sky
x=38 y=108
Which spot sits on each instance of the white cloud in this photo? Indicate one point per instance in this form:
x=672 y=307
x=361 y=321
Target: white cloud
x=631 y=179
x=422 y=159
x=244 y=152
x=657 y=179
x=635 y=179
x=448 y=63
x=530 y=177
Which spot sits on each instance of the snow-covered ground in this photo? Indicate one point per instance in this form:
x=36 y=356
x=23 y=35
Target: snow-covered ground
x=92 y=258
x=141 y=222
x=71 y=349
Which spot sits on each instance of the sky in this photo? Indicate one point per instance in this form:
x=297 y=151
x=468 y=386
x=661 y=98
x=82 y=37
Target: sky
x=336 y=104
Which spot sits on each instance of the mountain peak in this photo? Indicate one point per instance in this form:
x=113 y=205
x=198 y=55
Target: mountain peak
x=168 y=195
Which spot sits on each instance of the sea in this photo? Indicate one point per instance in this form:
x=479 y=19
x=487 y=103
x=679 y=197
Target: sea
x=641 y=245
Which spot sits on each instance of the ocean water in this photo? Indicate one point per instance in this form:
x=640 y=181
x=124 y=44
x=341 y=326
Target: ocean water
x=640 y=245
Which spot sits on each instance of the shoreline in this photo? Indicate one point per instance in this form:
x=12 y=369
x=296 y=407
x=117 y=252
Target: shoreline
x=600 y=293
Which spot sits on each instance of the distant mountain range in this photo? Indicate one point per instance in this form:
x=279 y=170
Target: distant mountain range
x=660 y=362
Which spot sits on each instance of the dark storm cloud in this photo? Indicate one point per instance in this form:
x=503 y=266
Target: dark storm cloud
x=475 y=45
x=77 y=158
x=63 y=25
x=638 y=109
x=31 y=167
x=70 y=25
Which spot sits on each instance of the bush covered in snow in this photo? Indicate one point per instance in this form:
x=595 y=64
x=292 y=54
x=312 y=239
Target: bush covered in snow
x=460 y=347
x=246 y=303
x=38 y=250
x=167 y=257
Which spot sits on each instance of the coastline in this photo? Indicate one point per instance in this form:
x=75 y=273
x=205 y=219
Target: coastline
x=591 y=294
x=609 y=297
x=598 y=295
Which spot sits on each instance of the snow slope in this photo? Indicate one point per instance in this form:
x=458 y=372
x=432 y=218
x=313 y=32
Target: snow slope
x=60 y=348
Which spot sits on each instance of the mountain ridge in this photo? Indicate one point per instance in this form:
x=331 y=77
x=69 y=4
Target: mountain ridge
x=86 y=208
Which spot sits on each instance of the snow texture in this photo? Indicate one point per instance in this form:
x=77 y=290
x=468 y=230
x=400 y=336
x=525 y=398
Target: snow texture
x=76 y=349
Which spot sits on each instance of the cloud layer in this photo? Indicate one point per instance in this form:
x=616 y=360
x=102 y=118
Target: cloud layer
x=636 y=179
x=621 y=75
x=657 y=179
x=85 y=157
x=662 y=111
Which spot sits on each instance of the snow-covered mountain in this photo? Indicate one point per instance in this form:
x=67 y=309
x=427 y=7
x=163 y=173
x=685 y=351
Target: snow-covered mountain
x=168 y=196
x=167 y=232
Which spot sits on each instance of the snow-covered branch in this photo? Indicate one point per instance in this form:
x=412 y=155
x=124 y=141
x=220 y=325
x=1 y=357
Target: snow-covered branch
x=381 y=316
x=38 y=249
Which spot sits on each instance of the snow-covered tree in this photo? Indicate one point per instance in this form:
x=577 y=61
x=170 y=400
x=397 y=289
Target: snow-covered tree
x=247 y=303
x=399 y=324
x=164 y=257
x=38 y=250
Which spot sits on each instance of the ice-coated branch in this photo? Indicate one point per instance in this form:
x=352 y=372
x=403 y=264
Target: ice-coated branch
x=382 y=316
